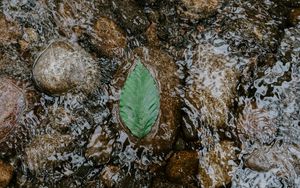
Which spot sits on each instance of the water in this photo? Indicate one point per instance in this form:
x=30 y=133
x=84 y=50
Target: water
x=231 y=80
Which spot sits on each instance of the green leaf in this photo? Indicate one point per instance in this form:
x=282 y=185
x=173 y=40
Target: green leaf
x=139 y=101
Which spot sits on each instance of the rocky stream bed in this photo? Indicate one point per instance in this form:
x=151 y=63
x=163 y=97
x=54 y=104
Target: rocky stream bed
x=227 y=74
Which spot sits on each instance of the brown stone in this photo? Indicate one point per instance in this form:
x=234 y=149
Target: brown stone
x=109 y=38
x=198 y=9
x=9 y=31
x=63 y=68
x=163 y=133
x=40 y=152
x=216 y=165
x=182 y=167
x=295 y=16
x=6 y=173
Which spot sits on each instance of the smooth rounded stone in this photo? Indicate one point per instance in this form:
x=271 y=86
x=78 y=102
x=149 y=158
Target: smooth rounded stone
x=109 y=38
x=41 y=153
x=198 y=9
x=256 y=124
x=6 y=173
x=100 y=145
x=162 y=136
x=216 y=165
x=210 y=89
x=12 y=105
x=10 y=32
x=63 y=67
x=283 y=159
x=182 y=167
x=113 y=176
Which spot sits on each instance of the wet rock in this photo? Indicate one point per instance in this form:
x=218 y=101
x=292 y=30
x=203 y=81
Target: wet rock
x=249 y=27
x=11 y=107
x=45 y=151
x=109 y=38
x=294 y=17
x=131 y=16
x=63 y=68
x=100 y=145
x=256 y=124
x=112 y=176
x=9 y=31
x=6 y=173
x=182 y=167
x=162 y=135
x=216 y=165
x=198 y=9
x=283 y=159
x=210 y=89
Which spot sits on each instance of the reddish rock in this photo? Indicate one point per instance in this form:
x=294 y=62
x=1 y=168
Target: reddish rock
x=112 y=176
x=6 y=173
x=182 y=167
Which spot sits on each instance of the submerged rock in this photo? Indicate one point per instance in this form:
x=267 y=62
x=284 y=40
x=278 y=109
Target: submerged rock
x=63 y=68
x=100 y=145
x=12 y=106
x=109 y=38
x=6 y=173
x=282 y=159
x=216 y=166
x=182 y=167
x=9 y=31
x=198 y=9
x=163 y=133
x=256 y=124
x=210 y=88
x=45 y=151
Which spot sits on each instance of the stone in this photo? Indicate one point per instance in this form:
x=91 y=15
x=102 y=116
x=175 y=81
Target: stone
x=182 y=167
x=63 y=68
x=198 y=9
x=9 y=32
x=100 y=145
x=289 y=3
x=109 y=38
x=294 y=17
x=6 y=173
x=12 y=106
x=256 y=124
x=217 y=164
x=41 y=152
x=283 y=159
x=112 y=176
x=163 y=133
x=210 y=88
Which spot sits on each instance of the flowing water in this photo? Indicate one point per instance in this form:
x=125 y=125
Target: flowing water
x=229 y=76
